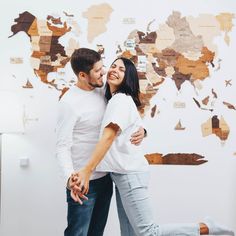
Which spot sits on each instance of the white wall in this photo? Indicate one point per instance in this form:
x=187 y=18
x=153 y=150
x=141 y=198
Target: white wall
x=33 y=198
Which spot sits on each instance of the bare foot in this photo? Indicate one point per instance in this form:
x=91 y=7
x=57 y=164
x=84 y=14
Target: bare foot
x=203 y=229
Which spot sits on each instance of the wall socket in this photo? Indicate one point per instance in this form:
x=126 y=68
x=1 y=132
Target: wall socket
x=24 y=161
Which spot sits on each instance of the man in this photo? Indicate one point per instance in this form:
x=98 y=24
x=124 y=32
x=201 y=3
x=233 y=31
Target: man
x=81 y=111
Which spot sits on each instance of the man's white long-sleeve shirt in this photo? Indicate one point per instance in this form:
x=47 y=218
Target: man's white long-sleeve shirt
x=80 y=115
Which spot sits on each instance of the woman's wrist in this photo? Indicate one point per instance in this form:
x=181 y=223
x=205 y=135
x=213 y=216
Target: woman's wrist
x=89 y=168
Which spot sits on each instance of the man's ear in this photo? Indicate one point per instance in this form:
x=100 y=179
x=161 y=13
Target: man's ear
x=82 y=75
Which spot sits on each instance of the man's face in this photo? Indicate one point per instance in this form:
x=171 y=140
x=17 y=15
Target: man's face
x=95 y=76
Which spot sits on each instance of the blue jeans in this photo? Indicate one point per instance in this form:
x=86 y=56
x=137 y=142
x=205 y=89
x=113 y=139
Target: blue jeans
x=134 y=211
x=90 y=218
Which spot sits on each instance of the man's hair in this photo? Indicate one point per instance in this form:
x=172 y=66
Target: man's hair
x=83 y=59
x=130 y=84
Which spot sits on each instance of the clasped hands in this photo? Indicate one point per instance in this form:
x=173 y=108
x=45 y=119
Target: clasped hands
x=79 y=185
x=78 y=182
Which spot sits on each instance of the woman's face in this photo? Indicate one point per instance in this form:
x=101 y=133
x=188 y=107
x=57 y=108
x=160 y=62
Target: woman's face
x=116 y=74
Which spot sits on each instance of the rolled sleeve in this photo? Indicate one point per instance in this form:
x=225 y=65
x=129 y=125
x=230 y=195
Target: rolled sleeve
x=118 y=112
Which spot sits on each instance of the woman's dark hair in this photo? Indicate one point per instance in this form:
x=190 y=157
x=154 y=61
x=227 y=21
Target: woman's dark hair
x=83 y=60
x=130 y=84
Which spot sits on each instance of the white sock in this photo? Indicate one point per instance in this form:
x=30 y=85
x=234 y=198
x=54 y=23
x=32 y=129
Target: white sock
x=217 y=229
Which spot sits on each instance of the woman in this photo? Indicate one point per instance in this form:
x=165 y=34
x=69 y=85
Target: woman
x=126 y=163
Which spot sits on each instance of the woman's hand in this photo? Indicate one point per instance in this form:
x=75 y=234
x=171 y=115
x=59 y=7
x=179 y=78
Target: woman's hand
x=81 y=180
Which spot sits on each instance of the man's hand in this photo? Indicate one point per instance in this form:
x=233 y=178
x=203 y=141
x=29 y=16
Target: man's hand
x=78 y=196
x=137 y=137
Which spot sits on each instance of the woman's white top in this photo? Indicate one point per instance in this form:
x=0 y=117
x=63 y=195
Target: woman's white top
x=123 y=157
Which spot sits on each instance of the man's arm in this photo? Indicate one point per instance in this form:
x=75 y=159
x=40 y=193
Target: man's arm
x=64 y=132
x=64 y=129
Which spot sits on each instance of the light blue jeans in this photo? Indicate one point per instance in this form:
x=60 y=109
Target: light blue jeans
x=134 y=210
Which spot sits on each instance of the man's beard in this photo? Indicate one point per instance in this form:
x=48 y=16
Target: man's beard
x=95 y=85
